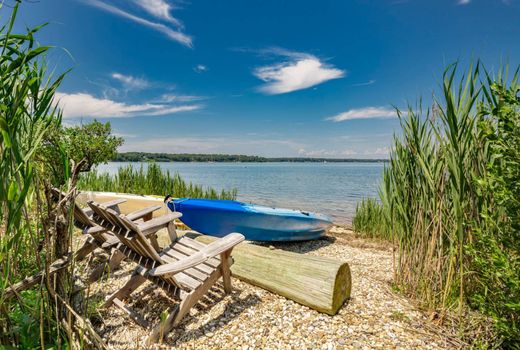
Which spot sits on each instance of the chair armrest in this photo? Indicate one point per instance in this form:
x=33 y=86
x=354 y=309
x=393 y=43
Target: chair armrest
x=180 y=265
x=158 y=223
x=223 y=244
x=138 y=214
x=114 y=203
x=215 y=248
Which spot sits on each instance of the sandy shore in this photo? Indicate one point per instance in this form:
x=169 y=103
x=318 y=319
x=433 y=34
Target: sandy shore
x=251 y=318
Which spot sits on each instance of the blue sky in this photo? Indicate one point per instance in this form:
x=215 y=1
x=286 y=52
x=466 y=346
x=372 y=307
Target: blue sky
x=272 y=78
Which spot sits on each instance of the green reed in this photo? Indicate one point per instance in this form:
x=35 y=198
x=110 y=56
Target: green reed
x=369 y=220
x=151 y=180
x=27 y=112
x=452 y=228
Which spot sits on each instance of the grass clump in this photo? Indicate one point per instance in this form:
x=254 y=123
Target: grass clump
x=450 y=200
x=369 y=220
x=151 y=180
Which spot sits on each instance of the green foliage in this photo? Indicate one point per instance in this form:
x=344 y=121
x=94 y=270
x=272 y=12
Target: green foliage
x=25 y=318
x=85 y=145
x=148 y=180
x=450 y=198
x=370 y=221
x=495 y=249
x=27 y=113
x=188 y=157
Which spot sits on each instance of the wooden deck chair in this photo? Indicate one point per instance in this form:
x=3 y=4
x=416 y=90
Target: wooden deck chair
x=99 y=236
x=186 y=269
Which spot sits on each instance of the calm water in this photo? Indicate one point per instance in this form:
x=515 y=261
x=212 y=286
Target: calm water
x=328 y=188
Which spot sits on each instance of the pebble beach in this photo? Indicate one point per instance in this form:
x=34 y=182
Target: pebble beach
x=375 y=317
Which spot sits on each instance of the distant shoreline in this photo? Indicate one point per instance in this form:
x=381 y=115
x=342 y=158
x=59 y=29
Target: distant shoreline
x=222 y=158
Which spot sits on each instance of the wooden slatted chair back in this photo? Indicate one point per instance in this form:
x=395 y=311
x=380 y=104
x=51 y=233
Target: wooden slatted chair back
x=138 y=247
x=127 y=232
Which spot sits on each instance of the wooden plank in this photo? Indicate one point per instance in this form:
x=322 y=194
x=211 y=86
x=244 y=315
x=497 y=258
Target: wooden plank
x=207 y=269
x=320 y=283
x=193 y=272
x=35 y=279
x=183 y=248
x=131 y=313
x=187 y=282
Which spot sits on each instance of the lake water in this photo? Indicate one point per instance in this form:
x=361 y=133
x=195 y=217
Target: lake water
x=329 y=188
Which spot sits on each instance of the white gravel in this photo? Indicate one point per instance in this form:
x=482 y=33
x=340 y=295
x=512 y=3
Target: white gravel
x=251 y=318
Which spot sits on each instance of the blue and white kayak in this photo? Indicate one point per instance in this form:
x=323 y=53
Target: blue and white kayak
x=255 y=222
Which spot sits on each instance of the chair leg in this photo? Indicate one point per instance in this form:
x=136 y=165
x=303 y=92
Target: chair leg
x=155 y=243
x=226 y=272
x=193 y=297
x=115 y=259
x=88 y=247
x=133 y=283
x=172 y=232
x=162 y=328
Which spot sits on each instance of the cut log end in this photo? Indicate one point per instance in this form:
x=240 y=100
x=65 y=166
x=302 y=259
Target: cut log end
x=342 y=288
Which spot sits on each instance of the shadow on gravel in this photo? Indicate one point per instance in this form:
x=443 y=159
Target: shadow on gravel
x=300 y=247
x=232 y=310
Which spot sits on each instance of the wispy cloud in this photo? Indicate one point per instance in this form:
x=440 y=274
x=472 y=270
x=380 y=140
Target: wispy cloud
x=370 y=82
x=159 y=9
x=200 y=68
x=298 y=71
x=180 y=98
x=380 y=151
x=364 y=113
x=464 y=2
x=327 y=153
x=130 y=82
x=231 y=144
x=169 y=32
x=78 y=105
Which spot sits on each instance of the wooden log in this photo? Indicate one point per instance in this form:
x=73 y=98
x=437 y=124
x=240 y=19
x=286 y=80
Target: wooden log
x=320 y=283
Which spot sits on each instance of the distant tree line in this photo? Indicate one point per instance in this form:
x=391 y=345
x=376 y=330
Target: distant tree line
x=187 y=157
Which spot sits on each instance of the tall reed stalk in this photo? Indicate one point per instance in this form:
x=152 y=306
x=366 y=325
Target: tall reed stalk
x=27 y=112
x=150 y=179
x=438 y=204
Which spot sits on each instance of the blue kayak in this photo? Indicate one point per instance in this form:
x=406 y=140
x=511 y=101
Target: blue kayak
x=257 y=223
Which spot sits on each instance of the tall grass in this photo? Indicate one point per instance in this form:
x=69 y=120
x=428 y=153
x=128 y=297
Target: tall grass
x=370 y=221
x=27 y=112
x=150 y=180
x=450 y=228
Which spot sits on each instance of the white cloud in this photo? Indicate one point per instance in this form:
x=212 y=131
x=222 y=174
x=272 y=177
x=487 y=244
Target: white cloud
x=326 y=153
x=384 y=151
x=300 y=72
x=464 y=2
x=381 y=151
x=370 y=82
x=131 y=83
x=227 y=145
x=180 y=98
x=169 y=32
x=200 y=68
x=364 y=113
x=84 y=105
x=159 y=9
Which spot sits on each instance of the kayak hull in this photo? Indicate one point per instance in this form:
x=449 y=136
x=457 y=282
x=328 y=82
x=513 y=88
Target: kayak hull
x=255 y=222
